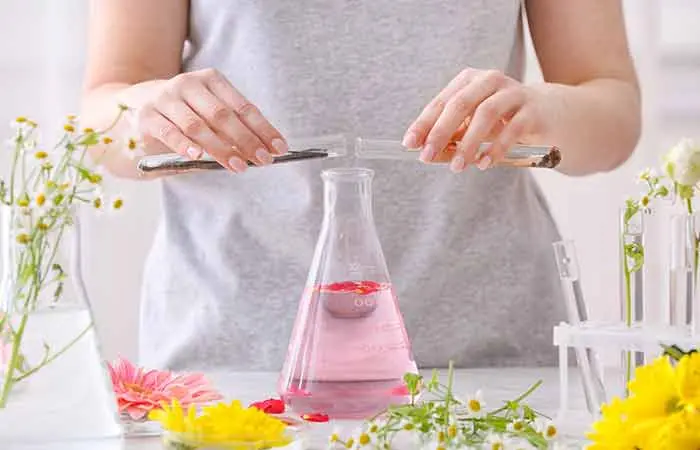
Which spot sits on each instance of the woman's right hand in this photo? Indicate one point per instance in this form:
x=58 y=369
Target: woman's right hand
x=201 y=112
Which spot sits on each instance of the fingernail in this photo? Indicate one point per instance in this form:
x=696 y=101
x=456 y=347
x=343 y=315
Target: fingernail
x=237 y=164
x=484 y=163
x=457 y=164
x=263 y=156
x=428 y=154
x=410 y=140
x=280 y=146
x=194 y=152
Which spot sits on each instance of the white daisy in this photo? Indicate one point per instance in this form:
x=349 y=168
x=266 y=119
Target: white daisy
x=495 y=442
x=546 y=428
x=132 y=149
x=517 y=426
x=646 y=174
x=475 y=405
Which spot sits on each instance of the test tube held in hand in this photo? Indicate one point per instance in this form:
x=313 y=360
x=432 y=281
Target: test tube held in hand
x=520 y=155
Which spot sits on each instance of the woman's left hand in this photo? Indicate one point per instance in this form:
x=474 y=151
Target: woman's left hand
x=475 y=107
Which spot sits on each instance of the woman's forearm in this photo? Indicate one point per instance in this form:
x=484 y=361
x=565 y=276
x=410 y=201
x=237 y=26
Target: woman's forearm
x=99 y=108
x=596 y=124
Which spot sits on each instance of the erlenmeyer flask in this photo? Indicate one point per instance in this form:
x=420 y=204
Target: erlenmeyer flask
x=349 y=349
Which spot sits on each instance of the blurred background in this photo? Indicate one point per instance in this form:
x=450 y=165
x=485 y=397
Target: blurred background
x=41 y=63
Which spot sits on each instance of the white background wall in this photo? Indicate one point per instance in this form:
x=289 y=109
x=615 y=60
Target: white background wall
x=41 y=60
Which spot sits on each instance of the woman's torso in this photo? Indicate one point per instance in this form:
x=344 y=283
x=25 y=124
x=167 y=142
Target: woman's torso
x=469 y=255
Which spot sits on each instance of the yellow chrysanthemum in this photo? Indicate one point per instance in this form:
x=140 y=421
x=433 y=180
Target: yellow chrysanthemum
x=653 y=392
x=680 y=432
x=222 y=424
x=660 y=413
x=613 y=430
x=688 y=374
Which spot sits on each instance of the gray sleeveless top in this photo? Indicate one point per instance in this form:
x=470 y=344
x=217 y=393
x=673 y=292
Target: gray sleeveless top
x=470 y=255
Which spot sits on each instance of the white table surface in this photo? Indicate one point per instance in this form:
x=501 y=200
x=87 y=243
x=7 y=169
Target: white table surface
x=497 y=386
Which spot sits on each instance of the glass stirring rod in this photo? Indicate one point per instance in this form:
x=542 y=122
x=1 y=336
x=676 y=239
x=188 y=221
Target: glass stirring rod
x=520 y=155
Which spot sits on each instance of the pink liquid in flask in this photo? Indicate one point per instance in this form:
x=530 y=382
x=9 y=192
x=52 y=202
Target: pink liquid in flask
x=360 y=352
x=349 y=351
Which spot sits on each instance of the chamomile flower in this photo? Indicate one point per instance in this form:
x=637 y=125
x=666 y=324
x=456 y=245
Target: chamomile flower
x=132 y=149
x=646 y=175
x=495 y=442
x=334 y=438
x=546 y=428
x=517 y=426
x=475 y=405
x=117 y=203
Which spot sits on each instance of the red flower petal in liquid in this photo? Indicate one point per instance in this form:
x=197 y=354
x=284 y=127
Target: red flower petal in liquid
x=295 y=391
x=270 y=406
x=317 y=417
x=358 y=287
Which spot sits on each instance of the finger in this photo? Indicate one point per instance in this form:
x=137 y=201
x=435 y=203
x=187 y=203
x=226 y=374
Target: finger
x=227 y=124
x=192 y=126
x=513 y=131
x=195 y=128
x=171 y=136
x=485 y=119
x=418 y=130
x=458 y=108
x=248 y=113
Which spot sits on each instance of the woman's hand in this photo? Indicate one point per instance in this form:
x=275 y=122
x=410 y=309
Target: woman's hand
x=477 y=106
x=197 y=112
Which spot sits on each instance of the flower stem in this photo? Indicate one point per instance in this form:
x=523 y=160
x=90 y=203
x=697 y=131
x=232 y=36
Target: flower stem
x=50 y=359
x=14 y=361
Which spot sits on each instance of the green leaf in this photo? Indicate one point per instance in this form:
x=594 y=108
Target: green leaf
x=412 y=381
x=631 y=208
x=635 y=252
x=685 y=192
x=90 y=139
x=57 y=293
x=661 y=192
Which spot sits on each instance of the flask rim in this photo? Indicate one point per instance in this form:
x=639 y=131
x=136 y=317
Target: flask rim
x=347 y=174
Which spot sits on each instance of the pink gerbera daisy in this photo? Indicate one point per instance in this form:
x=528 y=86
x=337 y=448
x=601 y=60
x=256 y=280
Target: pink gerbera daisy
x=139 y=391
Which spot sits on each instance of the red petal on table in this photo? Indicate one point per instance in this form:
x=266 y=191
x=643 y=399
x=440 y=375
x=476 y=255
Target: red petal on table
x=270 y=406
x=400 y=390
x=317 y=418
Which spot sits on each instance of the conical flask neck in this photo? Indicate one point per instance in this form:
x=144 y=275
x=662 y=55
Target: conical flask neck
x=348 y=193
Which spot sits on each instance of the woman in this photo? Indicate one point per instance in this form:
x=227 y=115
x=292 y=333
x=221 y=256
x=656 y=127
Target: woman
x=469 y=254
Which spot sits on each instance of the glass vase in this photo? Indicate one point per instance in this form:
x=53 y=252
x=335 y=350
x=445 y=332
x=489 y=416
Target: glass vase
x=53 y=383
x=349 y=350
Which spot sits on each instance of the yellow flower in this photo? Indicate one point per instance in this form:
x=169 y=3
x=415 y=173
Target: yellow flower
x=21 y=119
x=88 y=130
x=364 y=439
x=107 y=140
x=117 y=203
x=41 y=154
x=131 y=144
x=23 y=201
x=653 y=392
x=23 y=238
x=222 y=424
x=452 y=431
x=688 y=372
x=613 y=430
x=680 y=432
x=69 y=128
x=40 y=199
